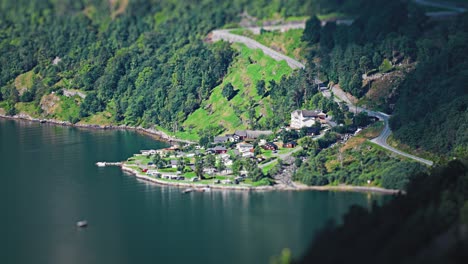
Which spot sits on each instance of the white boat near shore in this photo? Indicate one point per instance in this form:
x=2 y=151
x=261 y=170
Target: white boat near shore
x=82 y=223
x=101 y=164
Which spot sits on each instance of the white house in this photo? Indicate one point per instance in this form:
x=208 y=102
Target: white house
x=305 y=118
x=244 y=147
x=148 y=152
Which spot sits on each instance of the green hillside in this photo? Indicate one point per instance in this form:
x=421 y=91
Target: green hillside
x=249 y=67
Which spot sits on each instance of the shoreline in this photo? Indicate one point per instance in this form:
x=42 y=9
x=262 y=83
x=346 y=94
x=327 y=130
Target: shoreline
x=301 y=187
x=156 y=134
x=161 y=136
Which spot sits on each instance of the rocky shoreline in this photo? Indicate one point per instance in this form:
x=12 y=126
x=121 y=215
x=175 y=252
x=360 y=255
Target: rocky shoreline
x=157 y=134
x=279 y=187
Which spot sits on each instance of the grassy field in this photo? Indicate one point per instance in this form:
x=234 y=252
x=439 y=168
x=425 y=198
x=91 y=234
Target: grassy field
x=69 y=108
x=101 y=118
x=24 y=81
x=249 y=67
x=29 y=108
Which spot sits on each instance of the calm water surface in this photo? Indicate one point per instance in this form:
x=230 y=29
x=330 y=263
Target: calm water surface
x=50 y=182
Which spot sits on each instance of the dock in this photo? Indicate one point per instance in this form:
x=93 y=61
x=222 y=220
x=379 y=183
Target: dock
x=104 y=164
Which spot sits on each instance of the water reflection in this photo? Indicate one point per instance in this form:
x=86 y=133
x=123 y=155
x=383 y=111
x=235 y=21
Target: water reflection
x=52 y=182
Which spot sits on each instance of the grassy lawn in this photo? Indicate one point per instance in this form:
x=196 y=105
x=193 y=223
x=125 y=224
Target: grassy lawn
x=101 y=118
x=267 y=153
x=142 y=159
x=267 y=168
x=188 y=134
x=249 y=67
x=173 y=170
x=189 y=175
x=285 y=150
x=386 y=66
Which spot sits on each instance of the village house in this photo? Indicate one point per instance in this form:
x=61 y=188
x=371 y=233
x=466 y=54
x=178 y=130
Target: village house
x=244 y=148
x=242 y=134
x=226 y=159
x=220 y=139
x=252 y=134
x=305 y=118
x=148 y=152
x=233 y=137
x=218 y=150
x=262 y=142
x=291 y=144
x=270 y=146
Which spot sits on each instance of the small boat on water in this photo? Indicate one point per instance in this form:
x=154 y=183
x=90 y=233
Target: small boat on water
x=101 y=164
x=82 y=223
x=189 y=190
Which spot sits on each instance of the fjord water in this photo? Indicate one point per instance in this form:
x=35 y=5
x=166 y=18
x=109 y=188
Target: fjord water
x=49 y=176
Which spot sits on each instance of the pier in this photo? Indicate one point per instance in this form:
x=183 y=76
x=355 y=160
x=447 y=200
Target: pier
x=104 y=164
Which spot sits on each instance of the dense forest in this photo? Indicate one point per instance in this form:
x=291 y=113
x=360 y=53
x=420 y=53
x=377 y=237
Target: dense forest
x=393 y=36
x=142 y=65
x=139 y=63
x=431 y=112
x=427 y=225
x=146 y=63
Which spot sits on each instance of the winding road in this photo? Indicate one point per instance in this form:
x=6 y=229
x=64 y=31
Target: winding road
x=226 y=35
x=381 y=140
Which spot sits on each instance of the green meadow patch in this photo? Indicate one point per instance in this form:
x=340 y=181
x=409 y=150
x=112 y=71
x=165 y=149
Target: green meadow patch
x=249 y=67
